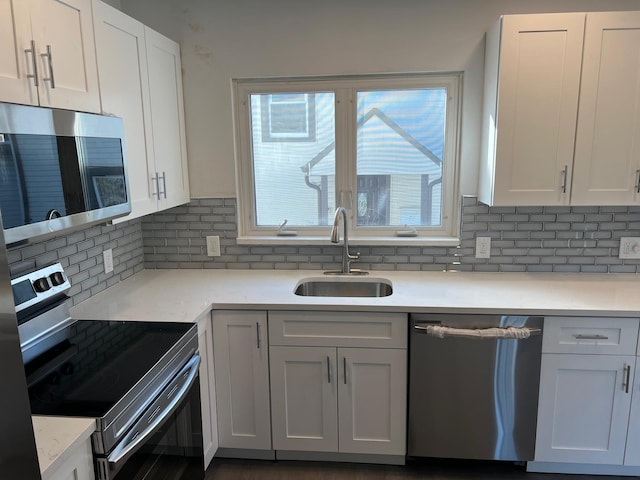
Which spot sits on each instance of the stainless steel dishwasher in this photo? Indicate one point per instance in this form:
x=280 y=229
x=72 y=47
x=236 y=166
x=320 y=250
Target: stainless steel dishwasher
x=473 y=386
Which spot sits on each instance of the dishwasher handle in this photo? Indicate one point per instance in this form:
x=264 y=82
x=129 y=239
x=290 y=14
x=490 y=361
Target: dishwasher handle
x=502 y=333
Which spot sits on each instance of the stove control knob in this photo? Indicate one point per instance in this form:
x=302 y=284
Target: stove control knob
x=57 y=278
x=41 y=285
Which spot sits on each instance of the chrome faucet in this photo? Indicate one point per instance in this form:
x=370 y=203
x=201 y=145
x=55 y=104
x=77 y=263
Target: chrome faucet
x=347 y=258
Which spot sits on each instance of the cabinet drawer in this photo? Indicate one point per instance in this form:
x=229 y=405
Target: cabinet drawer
x=338 y=329
x=590 y=335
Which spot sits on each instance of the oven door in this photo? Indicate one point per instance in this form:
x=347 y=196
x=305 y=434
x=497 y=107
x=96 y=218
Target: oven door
x=166 y=442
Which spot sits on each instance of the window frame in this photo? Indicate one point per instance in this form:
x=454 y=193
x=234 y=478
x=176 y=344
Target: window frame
x=345 y=90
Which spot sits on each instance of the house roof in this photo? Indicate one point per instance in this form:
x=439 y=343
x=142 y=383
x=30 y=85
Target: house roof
x=385 y=140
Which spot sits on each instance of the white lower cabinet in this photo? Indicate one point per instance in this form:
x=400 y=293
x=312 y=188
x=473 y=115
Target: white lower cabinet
x=589 y=403
x=584 y=408
x=240 y=350
x=304 y=397
x=632 y=451
x=77 y=466
x=337 y=397
x=207 y=390
x=372 y=401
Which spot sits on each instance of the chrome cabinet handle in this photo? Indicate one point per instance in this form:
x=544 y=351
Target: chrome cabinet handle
x=638 y=181
x=565 y=170
x=581 y=336
x=344 y=367
x=156 y=181
x=164 y=184
x=258 y=336
x=328 y=369
x=627 y=378
x=51 y=78
x=34 y=64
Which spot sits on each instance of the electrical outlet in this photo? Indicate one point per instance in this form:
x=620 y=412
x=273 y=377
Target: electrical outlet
x=483 y=247
x=107 y=256
x=629 y=247
x=213 y=246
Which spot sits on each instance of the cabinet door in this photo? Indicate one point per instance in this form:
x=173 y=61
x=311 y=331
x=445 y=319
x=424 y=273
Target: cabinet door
x=77 y=466
x=372 y=400
x=66 y=26
x=607 y=156
x=167 y=119
x=124 y=92
x=207 y=390
x=632 y=452
x=583 y=408
x=242 y=379
x=537 y=100
x=304 y=398
x=15 y=63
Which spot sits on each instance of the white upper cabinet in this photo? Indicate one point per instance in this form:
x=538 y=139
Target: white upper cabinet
x=167 y=120
x=532 y=79
x=124 y=92
x=140 y=81
x=607 y=154
x=48 y=55
x=562 y=110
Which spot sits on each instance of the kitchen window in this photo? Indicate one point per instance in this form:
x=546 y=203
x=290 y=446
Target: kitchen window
x=383 y=147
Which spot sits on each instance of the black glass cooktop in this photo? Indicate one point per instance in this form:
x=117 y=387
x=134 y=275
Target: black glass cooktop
x=99 y=362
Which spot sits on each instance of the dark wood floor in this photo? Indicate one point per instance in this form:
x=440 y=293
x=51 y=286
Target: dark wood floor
x=227 y=469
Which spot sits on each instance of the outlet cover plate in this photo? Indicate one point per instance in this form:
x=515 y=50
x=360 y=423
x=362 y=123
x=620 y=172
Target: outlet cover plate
x=213 y=246
x=107 y=256
x=629 y=247
x=483 y=247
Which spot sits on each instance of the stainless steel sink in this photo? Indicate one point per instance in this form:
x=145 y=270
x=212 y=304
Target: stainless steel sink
x=344 y=287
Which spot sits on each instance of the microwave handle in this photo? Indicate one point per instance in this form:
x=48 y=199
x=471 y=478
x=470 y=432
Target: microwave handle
x=135 y=438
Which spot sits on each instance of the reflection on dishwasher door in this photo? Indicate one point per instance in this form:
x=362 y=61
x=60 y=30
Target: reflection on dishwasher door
x=473 y=388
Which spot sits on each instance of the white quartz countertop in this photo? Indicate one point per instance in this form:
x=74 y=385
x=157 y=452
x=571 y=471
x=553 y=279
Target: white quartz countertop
x=186 y=295
x=56 y=439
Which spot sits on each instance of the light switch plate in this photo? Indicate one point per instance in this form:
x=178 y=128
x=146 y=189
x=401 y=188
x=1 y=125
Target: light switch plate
x=483 y=247
x=629 y=247
x=213 y=246
x=107 y=255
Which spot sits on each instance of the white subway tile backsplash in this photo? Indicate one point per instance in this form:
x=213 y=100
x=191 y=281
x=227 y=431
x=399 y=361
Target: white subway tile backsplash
x=531 y=238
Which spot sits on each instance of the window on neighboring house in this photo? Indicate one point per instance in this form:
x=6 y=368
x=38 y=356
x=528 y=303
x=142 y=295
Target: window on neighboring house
x=289 y=117
x=385 y=148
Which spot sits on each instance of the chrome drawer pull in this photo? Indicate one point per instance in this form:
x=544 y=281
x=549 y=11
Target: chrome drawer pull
x=258 y=336
x=344 y=366
x=627 y=378
x=580 y=336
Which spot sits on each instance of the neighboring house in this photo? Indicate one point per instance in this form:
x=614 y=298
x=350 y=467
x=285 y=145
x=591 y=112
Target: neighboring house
x=392 y=164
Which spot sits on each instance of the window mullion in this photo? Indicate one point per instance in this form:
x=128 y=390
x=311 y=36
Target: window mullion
x=345 y=151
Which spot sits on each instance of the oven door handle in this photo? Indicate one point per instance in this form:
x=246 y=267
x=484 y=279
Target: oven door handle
x=137 y=436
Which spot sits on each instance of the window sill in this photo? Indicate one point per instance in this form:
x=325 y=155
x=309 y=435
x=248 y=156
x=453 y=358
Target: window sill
x=355 y=241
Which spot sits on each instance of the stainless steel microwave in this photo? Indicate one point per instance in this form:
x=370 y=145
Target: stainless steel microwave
x=59 y=170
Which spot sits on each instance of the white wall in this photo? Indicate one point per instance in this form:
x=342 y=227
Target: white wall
x=226 y=39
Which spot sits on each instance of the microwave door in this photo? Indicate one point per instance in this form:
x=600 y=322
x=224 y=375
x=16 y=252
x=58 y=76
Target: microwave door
x=14 y=208
x=31 y=172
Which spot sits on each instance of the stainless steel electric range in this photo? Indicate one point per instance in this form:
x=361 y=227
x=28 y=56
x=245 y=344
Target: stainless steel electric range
x=139 y=380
